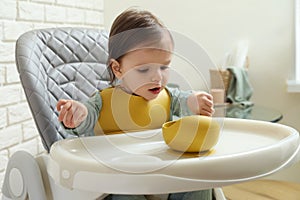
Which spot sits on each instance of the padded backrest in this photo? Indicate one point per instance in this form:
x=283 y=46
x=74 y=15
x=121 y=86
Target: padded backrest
x=60 y=63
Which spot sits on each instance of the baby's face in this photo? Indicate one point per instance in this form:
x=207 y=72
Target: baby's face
x=145 y=72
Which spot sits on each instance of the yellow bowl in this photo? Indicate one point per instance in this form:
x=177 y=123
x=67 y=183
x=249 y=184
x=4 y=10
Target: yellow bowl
x=194 y=133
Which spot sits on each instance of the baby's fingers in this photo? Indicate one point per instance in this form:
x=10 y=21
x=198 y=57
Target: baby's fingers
x=209 y=102
x=64 y=109
x=68 y=119
x=209 y=96
x=60 y=103
x=208 y=111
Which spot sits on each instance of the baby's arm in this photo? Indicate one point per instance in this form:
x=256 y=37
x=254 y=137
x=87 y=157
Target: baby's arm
x=81 y=116
x=201 y=103
x=71 y=113
x=190 y=102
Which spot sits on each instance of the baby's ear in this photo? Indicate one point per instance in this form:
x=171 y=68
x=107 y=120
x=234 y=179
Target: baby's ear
x=116 y=68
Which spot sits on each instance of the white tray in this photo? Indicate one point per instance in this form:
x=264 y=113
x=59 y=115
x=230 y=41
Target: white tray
x=141 y=162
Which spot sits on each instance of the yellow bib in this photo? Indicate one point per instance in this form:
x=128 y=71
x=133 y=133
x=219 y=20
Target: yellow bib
x=123 y=112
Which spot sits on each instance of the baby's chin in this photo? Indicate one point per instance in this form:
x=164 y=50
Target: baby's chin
x=146 y=95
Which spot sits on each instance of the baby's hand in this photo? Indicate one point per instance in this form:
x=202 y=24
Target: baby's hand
x=201 y=103
x=71 y=113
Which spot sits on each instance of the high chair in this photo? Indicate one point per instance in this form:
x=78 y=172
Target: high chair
x=70 y=63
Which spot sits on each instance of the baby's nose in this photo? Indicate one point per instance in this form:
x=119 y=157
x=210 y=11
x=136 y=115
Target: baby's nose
x=156 y=76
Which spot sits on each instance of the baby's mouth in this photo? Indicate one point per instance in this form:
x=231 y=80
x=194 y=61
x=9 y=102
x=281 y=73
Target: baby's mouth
x=155 y=90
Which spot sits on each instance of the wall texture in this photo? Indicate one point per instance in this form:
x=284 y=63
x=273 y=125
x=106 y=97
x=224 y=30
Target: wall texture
x=17 y=129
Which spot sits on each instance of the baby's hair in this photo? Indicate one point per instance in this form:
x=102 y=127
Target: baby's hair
x=131 y=30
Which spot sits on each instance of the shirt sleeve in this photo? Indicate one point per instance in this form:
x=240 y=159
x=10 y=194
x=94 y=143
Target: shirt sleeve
x=179 y=105
x=86 y=128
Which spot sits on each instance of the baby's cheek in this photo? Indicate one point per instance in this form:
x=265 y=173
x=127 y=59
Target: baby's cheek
x=136 y=82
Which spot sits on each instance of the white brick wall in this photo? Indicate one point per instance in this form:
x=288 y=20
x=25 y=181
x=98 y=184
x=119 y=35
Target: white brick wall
x=3 y=117
x=12 y=29
x=1 y=181
x=8 y=9
x=17 y=128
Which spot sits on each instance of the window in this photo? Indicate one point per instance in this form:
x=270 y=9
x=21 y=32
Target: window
x=294 y=84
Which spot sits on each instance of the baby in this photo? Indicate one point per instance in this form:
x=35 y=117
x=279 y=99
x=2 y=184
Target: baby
x=140 y=52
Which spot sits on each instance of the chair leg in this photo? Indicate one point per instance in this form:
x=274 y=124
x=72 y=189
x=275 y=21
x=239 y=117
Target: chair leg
x=23 y=178
x=218 y=194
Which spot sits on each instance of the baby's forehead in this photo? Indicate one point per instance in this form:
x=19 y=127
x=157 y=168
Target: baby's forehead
x=145 y=56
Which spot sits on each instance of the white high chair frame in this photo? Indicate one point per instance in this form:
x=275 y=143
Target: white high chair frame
x=60 y=63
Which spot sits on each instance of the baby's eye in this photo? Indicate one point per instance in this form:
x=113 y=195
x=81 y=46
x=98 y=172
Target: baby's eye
x=164 y=67
x=143 y=69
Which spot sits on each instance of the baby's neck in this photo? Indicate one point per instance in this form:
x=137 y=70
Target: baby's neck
x=126 y=90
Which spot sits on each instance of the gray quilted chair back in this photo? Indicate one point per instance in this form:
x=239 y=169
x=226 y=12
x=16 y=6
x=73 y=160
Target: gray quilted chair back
x=57 y=63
